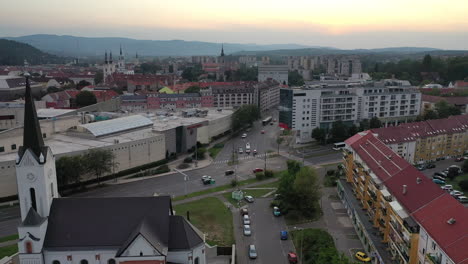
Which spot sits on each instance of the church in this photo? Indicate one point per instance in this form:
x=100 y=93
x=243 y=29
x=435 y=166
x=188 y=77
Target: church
x=120 y=230
x=110 y=66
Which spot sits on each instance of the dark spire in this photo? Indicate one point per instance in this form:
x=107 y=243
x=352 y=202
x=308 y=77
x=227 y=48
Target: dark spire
x=222 y=50
x=120 y=49
x=110 y=57
x=32 y=135
x=136 y=55
x=105 y=58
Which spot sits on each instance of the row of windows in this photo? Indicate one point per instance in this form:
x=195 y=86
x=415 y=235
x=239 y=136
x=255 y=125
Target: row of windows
x=84 y=261
x=136 y=145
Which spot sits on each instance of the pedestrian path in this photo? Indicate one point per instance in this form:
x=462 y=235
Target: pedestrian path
x=247 y=157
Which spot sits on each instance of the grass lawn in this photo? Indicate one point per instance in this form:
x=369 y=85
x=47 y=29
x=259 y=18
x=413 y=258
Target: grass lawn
x=456 y=180
x=215 y=150
x=8 y=250
x=268 y=185
x=8 y=238
x=212 y=217
x=255 y=193
x=324 y=153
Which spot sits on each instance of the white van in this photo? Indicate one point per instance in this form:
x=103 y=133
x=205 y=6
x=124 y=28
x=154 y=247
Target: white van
x=339 y=145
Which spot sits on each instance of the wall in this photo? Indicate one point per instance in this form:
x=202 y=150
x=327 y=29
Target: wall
x=183 y=256
x=214 y=128
x=405 y=150
x=427 y=246
x=106 y=106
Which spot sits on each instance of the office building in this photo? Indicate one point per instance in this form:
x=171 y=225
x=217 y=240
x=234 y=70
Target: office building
x=278 y=73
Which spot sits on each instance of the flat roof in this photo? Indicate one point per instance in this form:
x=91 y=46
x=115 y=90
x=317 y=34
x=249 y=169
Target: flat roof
x=51 y=112
x=103 y=128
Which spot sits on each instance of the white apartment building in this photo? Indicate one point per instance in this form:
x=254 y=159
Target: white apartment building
x=278 y=73
x=305 y=108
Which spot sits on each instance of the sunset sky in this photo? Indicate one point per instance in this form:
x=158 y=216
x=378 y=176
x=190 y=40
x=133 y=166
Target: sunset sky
x=337 y=23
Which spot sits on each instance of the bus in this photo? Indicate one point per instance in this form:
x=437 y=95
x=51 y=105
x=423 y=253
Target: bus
x=266 y=121
x=339 y=145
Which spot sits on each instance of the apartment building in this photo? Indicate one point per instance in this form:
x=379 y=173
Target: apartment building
x=278 y=73
x=268 y=95
x=233 y=96
x=403 y=216
x=305 y=108
x=426 y=141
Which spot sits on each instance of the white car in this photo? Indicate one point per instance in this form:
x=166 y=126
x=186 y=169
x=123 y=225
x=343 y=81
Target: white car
x=246 y=219
x=244 y=135
x=247 y=230
x=249 y=198
x=247 y=145
x=241 y=151
x=456 y=193
x=447 y=187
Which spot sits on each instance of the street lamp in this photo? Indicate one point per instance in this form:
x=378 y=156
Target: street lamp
x=186 y=178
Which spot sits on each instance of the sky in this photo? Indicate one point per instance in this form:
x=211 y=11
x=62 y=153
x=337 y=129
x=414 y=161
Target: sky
x=345 y=24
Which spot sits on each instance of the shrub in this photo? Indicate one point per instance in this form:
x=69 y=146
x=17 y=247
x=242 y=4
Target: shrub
x=219 y=145
x=234 y=183
x=269 y=174
x=188 y=160
x=161 y=169
x=259 y=176
x=330 y=172
x=183 y=166
x=463 y=185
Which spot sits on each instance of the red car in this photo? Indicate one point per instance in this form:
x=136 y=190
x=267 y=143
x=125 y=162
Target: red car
x=263 y=131
x=257 y=170
x=292 y=258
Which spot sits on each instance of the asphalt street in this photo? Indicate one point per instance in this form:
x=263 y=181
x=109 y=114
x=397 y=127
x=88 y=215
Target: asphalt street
x=265 y=235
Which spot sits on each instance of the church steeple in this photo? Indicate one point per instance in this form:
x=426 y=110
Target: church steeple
x=222 y=50
x=120 y=50
x=110 y=57
x=105 y=58
x=32 y=135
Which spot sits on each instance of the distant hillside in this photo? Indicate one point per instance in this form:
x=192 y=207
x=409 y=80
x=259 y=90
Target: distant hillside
x=82 y=46
x=14 y=53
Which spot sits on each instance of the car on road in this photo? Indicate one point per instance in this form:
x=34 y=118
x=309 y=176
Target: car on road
x=276 y=211
x=247 y=230
x=437 y=181
x=244 y=135
x=246 y=219
x=263 y=131
x=244 y=211
x=229 y=172
x=456 y=193
x=274 y=120
x=284 y=235
x=292 y=258
x=447 y=187
x=252 y=252
x=257 y=170
x=241 y=151
x=249 y=198
x=430 y=166
x=459 y=159
x=255 y=152
x=462 y=199
x=361 y=256
x=421 y=167
x=207 y=179
x=247 y=145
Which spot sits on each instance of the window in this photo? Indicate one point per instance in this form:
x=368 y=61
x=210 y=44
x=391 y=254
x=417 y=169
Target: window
x=55 y=262
x=83 y=261
x=111 y=261
x=13 y=147
x=28 y=246
x=32 y=194
x=2 y=149
x=44 y=135
x=197 y=261
x=433 y=245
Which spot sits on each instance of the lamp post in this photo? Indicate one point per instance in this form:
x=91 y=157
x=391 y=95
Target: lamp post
x=186 y=178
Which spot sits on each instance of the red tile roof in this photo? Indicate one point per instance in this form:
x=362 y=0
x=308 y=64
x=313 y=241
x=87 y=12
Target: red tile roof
x=451 y=100
x=453 y=238
x=461 y=84
x=425 y=201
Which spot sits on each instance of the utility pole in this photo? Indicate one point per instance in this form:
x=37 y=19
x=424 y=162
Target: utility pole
x=186 y=178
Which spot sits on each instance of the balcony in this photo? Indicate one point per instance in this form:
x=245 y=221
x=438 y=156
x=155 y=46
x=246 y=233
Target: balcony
x=434 y=259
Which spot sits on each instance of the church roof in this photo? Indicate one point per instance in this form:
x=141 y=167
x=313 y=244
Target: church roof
x=32 y=218
x=90 y=223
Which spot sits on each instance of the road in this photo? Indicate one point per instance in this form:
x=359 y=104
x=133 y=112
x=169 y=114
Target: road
x=265 y=235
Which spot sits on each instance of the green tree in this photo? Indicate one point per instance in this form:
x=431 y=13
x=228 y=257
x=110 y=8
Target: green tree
x=306 y=192
x=319 y=134
x=430 y=114
x=463 y=185
x=338 y=131
x=352 y=130
x=364 y=125
x=295 y=79
x=82 y=84
x=244 y=115
x=445 y=109
x=98 y=77
x=465 y=166
x=192 y=89
x=85 y=98
x=293 y=166
x=427 y=63
x=99 y=162
x=375 y=122
x=69 y=169
x=192 y=73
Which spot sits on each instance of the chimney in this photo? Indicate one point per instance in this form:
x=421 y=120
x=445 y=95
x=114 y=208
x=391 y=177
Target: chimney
x=451 y=221
x=404 y=189
x=418 y=180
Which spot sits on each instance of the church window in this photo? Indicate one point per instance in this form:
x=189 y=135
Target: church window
x=2 y=149
x=197 y=260
x=55 y=262
x=83 y=261
x=32 y=194
x=13 y=147
x=111 y=261
x=28 y=246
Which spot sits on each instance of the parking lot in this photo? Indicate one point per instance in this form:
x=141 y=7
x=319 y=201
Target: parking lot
x=265 y=235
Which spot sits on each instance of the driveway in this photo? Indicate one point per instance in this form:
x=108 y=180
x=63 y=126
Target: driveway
x=265 y=235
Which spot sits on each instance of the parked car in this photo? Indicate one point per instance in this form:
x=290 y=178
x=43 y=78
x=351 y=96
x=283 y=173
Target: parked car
x=441 y=174
x=252 y=252
x=257 y=170
x=421 y=167
x=292 y=257
x=459 y=159
x=247 y=145
x=244 y=211
x=447 y=187
x=437 y=181
x=456 y=193
x=438 y=178
x=229 y=172
x=462 y=199
x=271 y=123
x=247 y=230
x=255 y=152
x=247 y=151
x=430 y=166
x=284 y=235
x=361 y=256
x=246 y=219
x=241 y=151
x=276 y=211
x=263 y=131
x=244 y=135
x=249 y=198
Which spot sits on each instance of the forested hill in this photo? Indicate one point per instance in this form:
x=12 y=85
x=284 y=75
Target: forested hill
x=14 y=53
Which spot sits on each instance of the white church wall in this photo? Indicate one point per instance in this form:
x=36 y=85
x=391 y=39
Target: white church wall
x=36 y=231
x=179 y=257
x=92 y=256
x=140 y=247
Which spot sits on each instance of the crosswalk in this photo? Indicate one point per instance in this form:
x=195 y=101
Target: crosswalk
x=249 y=157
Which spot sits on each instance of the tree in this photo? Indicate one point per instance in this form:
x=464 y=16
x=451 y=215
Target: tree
x=463 y=185
x=82 y=84
x=364 y=125
x=445 y=109
x=69 y=169
x=427 y=63
x=352 y=130
x=98 y=77
x=192 y=89
x=293 y=166
x=244 y=115
x=320 y=135
x=465 y=166
x=99 y=162
x=295 y=79
x=306 y=191
x=85 y=98
x=338 y=131
x=375 y=122
x=430 y=114
x=192 y=73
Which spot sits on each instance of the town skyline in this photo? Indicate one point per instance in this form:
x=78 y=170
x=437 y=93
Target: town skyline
x=339 y=24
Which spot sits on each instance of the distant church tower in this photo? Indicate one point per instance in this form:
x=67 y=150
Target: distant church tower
x=121 y=62
x=109 y=66
x=220 y=75
x=37 y=184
